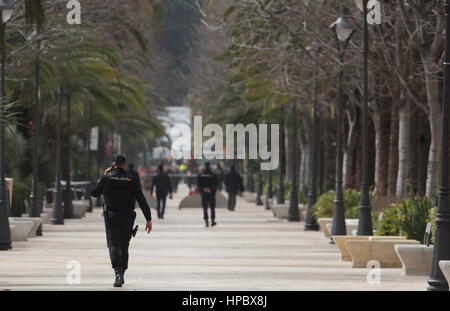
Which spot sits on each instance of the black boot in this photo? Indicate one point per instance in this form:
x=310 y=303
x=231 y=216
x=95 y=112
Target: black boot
x=213 y=223
x=206 y=224
x=119 y=278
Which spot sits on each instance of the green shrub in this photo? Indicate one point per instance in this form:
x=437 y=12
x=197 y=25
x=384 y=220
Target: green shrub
x=408 y=218
x=324 y=206
x=21 y=192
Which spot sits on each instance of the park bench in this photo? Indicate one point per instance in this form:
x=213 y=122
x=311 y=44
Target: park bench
x=340 y=241
x=415 y=259
x=380 y=250
x=36 y=221
x=22 y=229
x=445 y=268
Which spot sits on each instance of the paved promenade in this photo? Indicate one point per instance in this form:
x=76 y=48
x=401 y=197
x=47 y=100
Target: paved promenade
x=248 y=250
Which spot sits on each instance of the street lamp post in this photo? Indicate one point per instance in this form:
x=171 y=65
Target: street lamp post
x=365 y=208
x=310 y=221
x=294 y=214
x=34 y=194
x=6 y=10
x=68 y=205
x=441 y=249
x=280 y=195
x=343 y=32
x=57 y=212
x=88 y=160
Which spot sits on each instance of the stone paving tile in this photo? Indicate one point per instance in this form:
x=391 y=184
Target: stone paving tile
x=248 y=250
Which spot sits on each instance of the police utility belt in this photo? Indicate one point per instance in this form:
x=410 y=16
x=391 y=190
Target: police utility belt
x=132 y=214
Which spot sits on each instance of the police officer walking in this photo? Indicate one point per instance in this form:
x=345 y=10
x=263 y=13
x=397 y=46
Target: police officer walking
x=207 y=185
x=163 y=186
x=121 y=190
x=233 y=186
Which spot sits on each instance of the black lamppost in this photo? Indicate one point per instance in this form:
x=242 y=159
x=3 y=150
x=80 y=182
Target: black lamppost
x=343 y=32
x=88 y=160
x=310 y=221
x=34 y=194
x=6 y=10
x=441 y=249
x=58 y=212
x=280 y=195
x=68 y=206
x=365 y=208
x=294 y=214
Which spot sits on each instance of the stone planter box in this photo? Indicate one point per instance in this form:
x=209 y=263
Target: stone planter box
x=281 y=211
x=350 y=225
x=79 y=208
x=340 y=241
x=22 y=229
x=380 y=250
x=415 y=259
x=445 y=268
x=45 y=218
x=323 y=226
x=250 y=197
x=36 y=222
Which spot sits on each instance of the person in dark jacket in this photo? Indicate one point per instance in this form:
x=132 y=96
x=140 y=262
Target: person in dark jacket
x=120 y=190
x=233 y=186
x=163 y=186
x=207 y=185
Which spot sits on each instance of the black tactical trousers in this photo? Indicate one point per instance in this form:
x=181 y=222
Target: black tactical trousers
x=119 y=229
x=209 y=199
x=161 y=204
x=231 y=201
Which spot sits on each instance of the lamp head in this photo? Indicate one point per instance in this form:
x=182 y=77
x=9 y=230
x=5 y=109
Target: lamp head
x=342 y=28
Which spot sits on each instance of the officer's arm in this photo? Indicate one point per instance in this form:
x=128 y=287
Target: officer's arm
x=142 y=201
x=98 y=190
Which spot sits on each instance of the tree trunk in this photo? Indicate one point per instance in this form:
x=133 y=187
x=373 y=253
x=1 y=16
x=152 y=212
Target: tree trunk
x=393 y=153
x=350 y=150
x=381 y=126
x=404 y=123
x=434 y=117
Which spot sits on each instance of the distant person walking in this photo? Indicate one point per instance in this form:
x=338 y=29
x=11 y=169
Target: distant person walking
x=121 y=190
x=163 y=188
x=233 y=186
x=207 y=185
